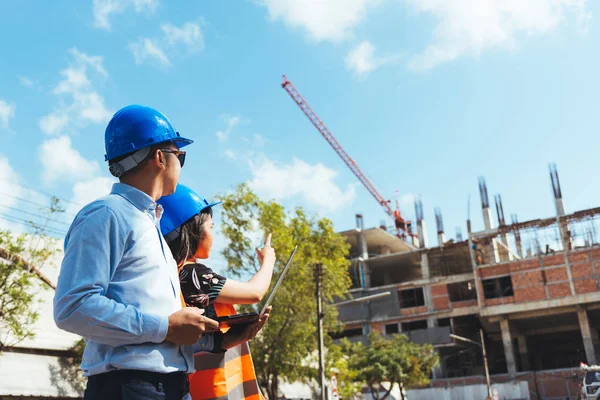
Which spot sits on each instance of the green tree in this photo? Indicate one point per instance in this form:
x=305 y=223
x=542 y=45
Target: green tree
x=21 y=257
x=286 y=347
x=394 y=360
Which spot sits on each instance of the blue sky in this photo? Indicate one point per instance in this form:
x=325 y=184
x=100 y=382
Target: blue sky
x=425 y=95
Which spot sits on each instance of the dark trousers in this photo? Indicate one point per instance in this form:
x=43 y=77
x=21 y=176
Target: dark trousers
x=137 y=385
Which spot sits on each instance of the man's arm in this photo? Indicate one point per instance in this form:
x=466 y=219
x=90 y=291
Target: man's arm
x=94 y=247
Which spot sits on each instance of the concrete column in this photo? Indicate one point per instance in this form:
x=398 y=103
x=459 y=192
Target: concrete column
x=487 y=218
x=508 y=348
x=560 y=206
x=441 y=239
x=428 y=297
x=425 y=266
x=422 y=232
x=586 y=335
x=365 y=276
x=523 y=352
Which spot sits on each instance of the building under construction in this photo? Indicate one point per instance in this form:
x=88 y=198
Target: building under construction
x=531 y=287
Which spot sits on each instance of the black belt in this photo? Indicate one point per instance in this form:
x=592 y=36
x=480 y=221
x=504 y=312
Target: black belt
x=147 y=376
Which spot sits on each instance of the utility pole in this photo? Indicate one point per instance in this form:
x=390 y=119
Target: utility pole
x=320 y=315
x=485 y=360
x=485 y=364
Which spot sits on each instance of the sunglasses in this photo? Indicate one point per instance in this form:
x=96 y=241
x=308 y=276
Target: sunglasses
x=180 y=155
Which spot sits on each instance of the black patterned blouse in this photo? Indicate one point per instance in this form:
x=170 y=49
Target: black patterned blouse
x=200 y=286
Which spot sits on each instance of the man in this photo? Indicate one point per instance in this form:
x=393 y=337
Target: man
x=118 y=286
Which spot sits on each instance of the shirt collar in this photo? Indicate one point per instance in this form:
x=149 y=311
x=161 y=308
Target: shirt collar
x=139 y=199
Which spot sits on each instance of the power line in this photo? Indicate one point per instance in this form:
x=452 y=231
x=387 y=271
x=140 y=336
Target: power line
x=34 y=203
x=34 y=215
x=30 y=224
x=40 y=191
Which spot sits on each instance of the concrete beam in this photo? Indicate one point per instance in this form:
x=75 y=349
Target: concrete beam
x=509 y=353
x=468 y=276
x=586 y=335
x=459 y=312
x=536 y=314
x=540 y=305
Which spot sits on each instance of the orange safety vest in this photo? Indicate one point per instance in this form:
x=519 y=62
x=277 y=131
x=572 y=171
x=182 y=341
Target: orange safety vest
x=225 y=376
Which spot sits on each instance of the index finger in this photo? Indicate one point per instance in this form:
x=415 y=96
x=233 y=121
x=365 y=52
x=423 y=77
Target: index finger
x=268 y=240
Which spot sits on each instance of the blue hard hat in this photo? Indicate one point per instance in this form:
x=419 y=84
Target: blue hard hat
x=180 y=207
x=135 y=127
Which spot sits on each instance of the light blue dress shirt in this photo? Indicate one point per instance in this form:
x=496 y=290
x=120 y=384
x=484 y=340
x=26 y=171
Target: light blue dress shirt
x=118 y=284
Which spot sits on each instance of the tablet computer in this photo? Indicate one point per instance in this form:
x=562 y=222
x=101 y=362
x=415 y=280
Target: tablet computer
x=250 y=317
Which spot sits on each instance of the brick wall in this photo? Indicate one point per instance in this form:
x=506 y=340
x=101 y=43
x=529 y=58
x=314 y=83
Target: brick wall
x=546 y=278
x=439 y=294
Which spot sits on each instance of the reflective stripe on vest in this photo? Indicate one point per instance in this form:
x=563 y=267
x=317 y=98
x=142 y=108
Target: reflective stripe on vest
x=225 y=376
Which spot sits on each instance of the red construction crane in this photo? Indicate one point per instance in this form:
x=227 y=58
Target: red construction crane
x=403 y=226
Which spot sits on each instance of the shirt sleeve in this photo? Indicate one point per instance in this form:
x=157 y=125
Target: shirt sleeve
x=94 y=247
x=200 y=285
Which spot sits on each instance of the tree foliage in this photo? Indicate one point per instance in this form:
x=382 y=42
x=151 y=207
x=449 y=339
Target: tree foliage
x=288 y=343
x=394 y=360
x=21 y=256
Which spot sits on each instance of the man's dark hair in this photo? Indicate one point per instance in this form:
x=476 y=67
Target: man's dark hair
x=190 y=235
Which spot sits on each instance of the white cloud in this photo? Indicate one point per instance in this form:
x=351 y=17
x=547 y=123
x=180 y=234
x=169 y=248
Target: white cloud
x=259 y=140
x=361 y=59
x=189 y=34
x=103 y=9
x=25 y=81
x=7 y=111
x=332 y=20
x=60 y=161
x=311 y=185
x=162 y=51
x=85 y=192
x=471 y=26
x=147 y=49
x=230 y=154
x=79 y=103
x=231 y=121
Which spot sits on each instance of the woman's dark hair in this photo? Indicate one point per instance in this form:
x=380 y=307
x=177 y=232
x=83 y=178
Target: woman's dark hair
x=190 y=235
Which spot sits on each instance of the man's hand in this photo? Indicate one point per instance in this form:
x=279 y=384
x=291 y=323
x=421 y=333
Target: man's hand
x=240 y=334
x=266 y=254
x=187 y=325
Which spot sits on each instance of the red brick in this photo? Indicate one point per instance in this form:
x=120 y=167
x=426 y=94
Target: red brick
x=439 y=290
x=579 y=256
x=531 y=293
x=585 y=286
x=441 y=303
x=466 y=303
x=595 y=253
x=581 y=270
x=413 y=310
x=527 y=278
x=556 y=274
x=556 y=259
x=559 y=290
x=524 y=265
x=499 y=300
x=494 y=271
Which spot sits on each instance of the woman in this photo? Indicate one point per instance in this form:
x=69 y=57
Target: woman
x=187 y=226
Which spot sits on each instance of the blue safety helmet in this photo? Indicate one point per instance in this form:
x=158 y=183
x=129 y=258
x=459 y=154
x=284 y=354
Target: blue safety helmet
x=137 y=127
x=179 y=208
